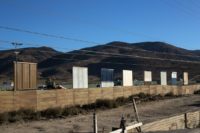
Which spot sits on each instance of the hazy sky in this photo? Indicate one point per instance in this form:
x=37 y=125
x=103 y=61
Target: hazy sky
x=173 y=21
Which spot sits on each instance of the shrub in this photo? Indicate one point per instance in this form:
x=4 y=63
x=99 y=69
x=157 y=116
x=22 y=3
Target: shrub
x=52 y=112
x=122 y=100
x=130 y=98
x=68 y=111
x=143 y=95
x=197 y=92
x=170 y=94
x=155 y=97
x=4 y=118
x=28 y=114
x=106 y=103
x=89 y=106
x=15 y=116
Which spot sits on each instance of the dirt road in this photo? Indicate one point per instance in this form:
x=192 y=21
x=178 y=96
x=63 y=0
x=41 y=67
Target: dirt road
x=107 y=119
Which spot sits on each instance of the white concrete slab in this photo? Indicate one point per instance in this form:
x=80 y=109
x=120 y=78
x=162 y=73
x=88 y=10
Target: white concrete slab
x=185 y=78
x=80 y=77
x=127 y=78
x=147 y=76
x=163 y=78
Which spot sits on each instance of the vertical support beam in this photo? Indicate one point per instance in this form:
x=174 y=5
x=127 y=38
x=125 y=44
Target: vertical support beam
x=15 y=76
x=95 y=123
x=186 y=120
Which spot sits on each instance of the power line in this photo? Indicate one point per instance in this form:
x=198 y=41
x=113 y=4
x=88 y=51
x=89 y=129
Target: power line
x=47 y=35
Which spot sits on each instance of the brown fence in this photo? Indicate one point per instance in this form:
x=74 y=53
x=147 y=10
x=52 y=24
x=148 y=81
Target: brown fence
x=187 y=120
x=43 y=99
x=25 y=75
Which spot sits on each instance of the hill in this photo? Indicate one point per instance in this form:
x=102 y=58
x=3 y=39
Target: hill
x=35 y=55
x=154 y=56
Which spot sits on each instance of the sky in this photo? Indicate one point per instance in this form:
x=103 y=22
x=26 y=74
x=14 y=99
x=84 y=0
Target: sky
x=99 y=22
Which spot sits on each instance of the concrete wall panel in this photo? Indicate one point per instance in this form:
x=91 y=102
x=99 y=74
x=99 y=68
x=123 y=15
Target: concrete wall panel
x=107 y=77
x=174 y=78
x=80 y=77
x=185 y=78
x=163 y=76
x=127 y=78
x=147 y=76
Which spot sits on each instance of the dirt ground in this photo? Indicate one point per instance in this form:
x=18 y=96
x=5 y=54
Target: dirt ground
x=107 y=119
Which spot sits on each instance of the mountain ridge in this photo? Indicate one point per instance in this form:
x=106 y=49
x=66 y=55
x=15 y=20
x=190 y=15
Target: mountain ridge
x=117 y=55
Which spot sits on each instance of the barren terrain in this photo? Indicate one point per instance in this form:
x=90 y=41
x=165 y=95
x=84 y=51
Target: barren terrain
x=107 y=119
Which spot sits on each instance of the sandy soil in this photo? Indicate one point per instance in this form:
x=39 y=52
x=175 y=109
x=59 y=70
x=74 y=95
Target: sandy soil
x=107 y=119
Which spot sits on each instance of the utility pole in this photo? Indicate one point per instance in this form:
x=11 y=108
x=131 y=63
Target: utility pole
x=16 y=45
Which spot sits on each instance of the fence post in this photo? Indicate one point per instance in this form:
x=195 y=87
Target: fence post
x=95 y=123
x=186 y=120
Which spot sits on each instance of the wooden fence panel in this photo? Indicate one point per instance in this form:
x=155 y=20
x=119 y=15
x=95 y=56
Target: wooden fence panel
x=43 y=99
x=159 y=90
x=25 y=100
x=172 y=123
x=118 y=92
x=61 y=98
x=33 y=76
x=107 y=93
x=70 y=97
x=136 y=90
x=145 y=89
x=25 y=76
x=153 y=90
x=6 y=101
x=46 y=99
x=127 y=91
x=94 y=94
x=80 y=96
